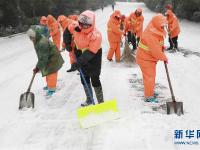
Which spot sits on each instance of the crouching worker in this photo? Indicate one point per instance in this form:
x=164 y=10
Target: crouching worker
x=149 y=52
x=49 y=59
x=88 y=53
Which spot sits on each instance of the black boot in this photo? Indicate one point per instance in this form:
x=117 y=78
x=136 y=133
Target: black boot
x=169 y=48
x=89 y=95
x=99 y=94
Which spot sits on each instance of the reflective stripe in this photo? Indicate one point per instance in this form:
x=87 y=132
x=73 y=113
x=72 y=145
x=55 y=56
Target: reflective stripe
x=142 y=46
x=82 y=50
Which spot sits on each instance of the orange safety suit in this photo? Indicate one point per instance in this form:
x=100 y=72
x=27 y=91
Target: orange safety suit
x=135 y=24
x=150 y=51
x=54 y=29
x=73 y=17
x=114 y=35
x=173 y=24
x=64 y=22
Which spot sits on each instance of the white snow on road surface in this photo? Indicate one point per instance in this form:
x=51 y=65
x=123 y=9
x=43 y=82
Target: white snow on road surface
x=53 y=124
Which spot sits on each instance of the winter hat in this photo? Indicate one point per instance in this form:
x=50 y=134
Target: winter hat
x=169 y=6
x=31 y=33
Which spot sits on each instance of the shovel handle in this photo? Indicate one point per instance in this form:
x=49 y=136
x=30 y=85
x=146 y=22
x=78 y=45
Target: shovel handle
x=169 y=81
x=29 y=87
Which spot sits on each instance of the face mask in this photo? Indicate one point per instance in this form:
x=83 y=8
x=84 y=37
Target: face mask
x=77 y=29
x=84 y=26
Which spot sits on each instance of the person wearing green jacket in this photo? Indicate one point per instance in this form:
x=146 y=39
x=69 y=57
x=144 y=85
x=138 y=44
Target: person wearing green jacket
x=49 y=59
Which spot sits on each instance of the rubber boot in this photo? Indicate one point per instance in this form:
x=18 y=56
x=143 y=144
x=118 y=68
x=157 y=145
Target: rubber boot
x=89 y=98
x=50 y=92
x=151 y=99
x=99 y=94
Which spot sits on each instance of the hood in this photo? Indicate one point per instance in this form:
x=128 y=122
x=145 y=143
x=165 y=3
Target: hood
x=73 y=17
x=116 y=13
x=37 y=29
x=157 y=23
x=169 y=14
x=89 y=18
x=62 y=20
x=50 y=20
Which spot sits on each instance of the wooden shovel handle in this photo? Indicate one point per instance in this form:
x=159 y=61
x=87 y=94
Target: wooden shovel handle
x=169 y=81
x=29 y=87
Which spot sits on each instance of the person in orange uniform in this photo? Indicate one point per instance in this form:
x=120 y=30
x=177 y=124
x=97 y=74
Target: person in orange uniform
x=135 y=27
x=173 y=29
x=73 y=17
x=88 y=54
x=67 y=44
x=122 y=26
x=114 y=35
x=54 y=30
x=149 y=52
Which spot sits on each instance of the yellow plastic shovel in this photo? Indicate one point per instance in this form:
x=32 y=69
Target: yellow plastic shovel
x=93 y=115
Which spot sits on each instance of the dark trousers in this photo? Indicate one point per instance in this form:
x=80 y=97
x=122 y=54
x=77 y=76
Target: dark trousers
x=173 y=42
x=96 y=83
x=94 y=79
x=133 y=40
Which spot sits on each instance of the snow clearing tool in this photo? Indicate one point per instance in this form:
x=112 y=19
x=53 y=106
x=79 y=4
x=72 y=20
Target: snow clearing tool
x=27 y=98
x=93 y=115
x=127 y=56
x=174 y=106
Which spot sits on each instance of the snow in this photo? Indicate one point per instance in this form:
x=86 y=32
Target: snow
x=53 y=124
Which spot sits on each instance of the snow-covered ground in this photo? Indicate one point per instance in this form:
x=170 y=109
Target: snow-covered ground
x=53 y=124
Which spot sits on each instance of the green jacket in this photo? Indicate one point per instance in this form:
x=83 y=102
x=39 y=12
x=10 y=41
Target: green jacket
x=49 y=58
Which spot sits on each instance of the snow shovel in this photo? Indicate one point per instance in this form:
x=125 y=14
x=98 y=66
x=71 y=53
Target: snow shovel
x=93 y=115
x=174 y=106
x=27 y=98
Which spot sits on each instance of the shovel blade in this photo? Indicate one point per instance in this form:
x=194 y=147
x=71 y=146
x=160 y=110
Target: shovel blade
x=26 y=100
x=175 y=108
x=96 y=114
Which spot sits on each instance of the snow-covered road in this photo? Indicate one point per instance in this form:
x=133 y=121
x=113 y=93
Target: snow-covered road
x=53 y=124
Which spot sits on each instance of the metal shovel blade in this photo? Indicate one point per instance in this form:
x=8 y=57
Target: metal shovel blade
x=26 y=100
x=175 y=108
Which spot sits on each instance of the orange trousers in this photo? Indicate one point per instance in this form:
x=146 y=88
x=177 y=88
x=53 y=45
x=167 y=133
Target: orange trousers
x=114 y=48
x=56 y=40
x=51 y=80
x=149 y=75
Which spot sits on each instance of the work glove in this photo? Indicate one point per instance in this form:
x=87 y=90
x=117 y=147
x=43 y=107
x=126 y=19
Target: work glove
x=36 y=70
x=68 y=48
x=75 y=66
x=166 y=61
